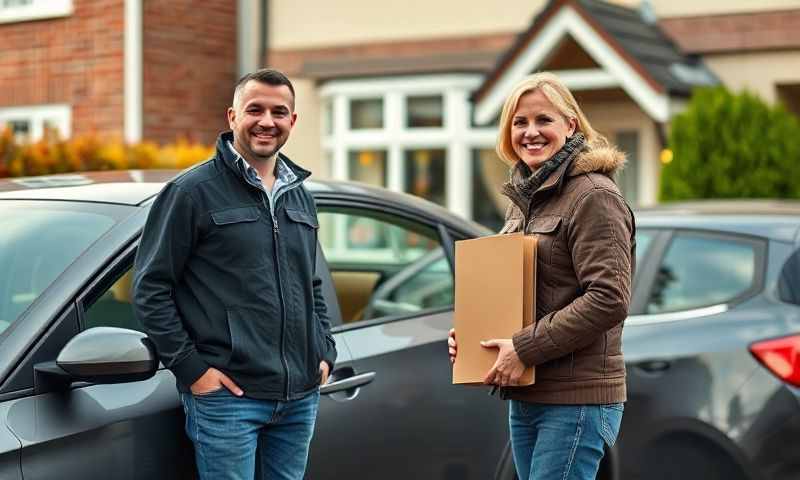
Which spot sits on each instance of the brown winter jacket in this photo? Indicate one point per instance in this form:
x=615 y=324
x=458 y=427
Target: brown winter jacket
x=585 y=265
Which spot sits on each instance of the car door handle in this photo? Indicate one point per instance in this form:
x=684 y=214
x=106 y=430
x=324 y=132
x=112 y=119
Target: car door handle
x=348 y=383
x=656 y=366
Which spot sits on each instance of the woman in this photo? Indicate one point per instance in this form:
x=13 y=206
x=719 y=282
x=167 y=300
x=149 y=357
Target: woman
x=562 y=190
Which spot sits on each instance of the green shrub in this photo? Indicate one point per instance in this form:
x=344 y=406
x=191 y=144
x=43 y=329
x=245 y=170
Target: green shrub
x=732 y=146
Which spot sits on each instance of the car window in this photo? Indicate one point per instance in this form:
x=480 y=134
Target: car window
x=789 y=280
x=643 y=240
x=700 y=270
x=382 y=265
x=113 y=307
x=37 y=243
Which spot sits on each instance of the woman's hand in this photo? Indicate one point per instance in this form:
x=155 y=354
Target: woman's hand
x=451 y=344
x=508 y=368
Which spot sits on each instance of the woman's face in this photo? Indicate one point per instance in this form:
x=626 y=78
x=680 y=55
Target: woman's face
x=538 y=129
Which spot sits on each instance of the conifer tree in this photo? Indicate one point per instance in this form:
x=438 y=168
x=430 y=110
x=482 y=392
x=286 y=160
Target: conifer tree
x=732 y=146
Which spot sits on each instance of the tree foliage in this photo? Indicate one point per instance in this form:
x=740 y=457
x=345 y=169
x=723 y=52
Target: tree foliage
x=91 y=152
x=732 y=146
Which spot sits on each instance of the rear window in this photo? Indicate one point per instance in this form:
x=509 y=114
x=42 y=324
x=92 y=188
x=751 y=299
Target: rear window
x=700 y=271
x=789 y=280
x=38 y=241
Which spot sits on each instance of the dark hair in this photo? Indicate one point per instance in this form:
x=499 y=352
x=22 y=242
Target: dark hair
x=267 y=76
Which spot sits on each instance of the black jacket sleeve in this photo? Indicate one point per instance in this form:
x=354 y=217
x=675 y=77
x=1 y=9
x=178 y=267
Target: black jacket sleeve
x=321 y=313
x=167 y=243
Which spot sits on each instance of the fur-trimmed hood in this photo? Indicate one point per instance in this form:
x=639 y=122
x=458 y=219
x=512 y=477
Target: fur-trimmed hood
x=606 y=160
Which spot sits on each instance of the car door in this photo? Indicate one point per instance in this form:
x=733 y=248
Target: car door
x=395 y=286
x=127 y=431
x=685 y=347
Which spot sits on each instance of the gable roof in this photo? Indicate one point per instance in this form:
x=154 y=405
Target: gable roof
x=634 y=51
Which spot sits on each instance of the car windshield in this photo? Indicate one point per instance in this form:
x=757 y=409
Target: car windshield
x=38 y=241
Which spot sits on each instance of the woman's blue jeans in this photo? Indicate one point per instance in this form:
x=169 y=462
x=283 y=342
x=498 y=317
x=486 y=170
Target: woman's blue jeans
x=237 y=438
x=561 y=442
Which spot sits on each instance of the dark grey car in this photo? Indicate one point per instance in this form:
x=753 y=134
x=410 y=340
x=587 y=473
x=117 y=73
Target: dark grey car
x=715 y=280
x=66 y=249
x=712 y=345
x=708 y=287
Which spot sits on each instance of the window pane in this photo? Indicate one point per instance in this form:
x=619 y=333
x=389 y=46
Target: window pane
x=488 y=174
x=425 y=174
x=643 y=240
x=327 y=117
x=627 y=178
x=425 y=112
x=789 y=281
x=699 y=271
x=21 y=129
x=17 y=3
x=114 y=308
x=368 y=166
x=366 y=113
x=36 y=245
x=382 y=265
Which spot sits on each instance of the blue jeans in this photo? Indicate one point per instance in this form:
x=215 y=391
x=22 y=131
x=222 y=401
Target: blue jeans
x=561 y=442
x=236 y=438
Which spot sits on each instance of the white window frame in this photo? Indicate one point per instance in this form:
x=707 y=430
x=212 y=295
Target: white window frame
x=37 y=10
x=58 y=114
x=457 y=136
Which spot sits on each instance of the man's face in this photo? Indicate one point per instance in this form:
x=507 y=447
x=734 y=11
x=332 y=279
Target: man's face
x=262 y=119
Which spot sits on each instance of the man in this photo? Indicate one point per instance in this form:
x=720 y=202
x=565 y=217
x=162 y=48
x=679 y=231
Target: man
x=225 y=285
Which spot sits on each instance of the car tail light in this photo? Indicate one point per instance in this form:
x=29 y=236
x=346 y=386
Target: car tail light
x=781 y=356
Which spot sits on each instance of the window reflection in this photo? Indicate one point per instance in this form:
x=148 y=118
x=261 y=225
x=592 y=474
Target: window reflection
x=368 y=166
x=366 y=113
x=488 y=174
x=425 y=112
x=425 y=174
x=700 y=271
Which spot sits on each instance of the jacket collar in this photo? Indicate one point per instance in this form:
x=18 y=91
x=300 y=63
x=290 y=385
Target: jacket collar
x=229 y=158
x=605 y=160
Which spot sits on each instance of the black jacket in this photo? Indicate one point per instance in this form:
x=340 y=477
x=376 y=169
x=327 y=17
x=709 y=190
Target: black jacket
x=223 y=281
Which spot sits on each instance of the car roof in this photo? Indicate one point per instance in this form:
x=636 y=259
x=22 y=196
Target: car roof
x=134 y=187
x=775 y=219
x=129 y=187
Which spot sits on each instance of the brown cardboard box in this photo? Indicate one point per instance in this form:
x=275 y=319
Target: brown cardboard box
x=495 y=297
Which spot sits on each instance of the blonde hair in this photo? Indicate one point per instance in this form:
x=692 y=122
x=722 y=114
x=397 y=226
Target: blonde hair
x=559 y=95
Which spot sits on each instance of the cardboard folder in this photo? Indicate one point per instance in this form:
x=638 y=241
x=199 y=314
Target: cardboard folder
x=495 y=298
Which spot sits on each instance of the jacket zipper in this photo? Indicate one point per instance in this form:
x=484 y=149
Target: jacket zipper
x=276 y=236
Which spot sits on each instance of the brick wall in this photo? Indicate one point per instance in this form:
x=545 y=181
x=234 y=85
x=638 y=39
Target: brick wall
x=76 y=60
x=758 y=31
x=189 y=68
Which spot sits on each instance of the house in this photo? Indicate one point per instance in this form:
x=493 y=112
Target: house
x=136 y=70
x=401 y=94
x=408 y=95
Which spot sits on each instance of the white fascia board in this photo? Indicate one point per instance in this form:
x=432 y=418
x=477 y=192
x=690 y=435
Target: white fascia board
x=587 y=79
x=414 y=84
x=569 y=22
x=37 y=10
x=134 y=77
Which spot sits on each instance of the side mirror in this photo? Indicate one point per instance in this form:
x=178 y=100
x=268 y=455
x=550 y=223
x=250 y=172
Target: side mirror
x=99 y=355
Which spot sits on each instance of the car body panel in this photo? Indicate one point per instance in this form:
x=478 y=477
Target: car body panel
x=132 y=429
x=10 y=446
x=690 y=375
x=456 y=431
x=692 y=382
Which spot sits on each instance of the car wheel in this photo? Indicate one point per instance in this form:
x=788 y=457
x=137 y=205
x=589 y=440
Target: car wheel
x=689 y=458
